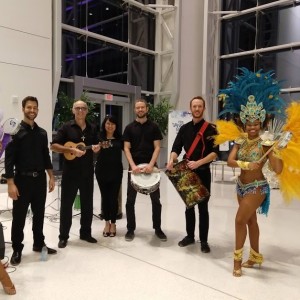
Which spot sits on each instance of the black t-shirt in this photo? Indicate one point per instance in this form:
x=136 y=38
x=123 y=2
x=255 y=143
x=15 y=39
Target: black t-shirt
x=141 y=137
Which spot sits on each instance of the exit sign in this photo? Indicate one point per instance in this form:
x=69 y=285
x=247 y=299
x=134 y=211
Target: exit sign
x=108 y=97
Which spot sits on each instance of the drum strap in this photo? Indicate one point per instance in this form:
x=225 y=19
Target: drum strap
x=196 y=140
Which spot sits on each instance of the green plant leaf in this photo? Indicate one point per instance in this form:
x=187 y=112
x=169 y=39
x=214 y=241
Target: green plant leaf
x=159 y=113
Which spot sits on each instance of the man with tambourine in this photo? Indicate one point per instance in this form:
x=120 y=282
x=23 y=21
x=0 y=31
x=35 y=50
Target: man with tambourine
x=141 y=147
x=196 y=137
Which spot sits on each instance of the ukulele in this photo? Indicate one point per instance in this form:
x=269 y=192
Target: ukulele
x=81 y=146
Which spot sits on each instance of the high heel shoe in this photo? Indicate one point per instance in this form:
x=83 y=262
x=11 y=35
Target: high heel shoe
x=112 y=233
x=254 y=258
x=7 y=284
x=237 y=257
x=106 y=233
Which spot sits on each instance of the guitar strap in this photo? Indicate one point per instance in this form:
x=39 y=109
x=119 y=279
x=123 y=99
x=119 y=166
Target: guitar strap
x=196 y=140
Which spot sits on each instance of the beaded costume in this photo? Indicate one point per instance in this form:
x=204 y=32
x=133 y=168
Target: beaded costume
x=254 y=96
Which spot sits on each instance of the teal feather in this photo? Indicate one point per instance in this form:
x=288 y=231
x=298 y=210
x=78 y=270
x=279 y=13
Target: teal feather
x=259 y=84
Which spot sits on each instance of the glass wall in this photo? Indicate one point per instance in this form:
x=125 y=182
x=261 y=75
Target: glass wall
x=96 y=58
x=275 y=28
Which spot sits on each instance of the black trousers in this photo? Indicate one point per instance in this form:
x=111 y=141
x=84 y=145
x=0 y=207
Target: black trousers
x=190 y=217
x=130 y=211
x=109 y=197
x=33 y=191
x=70 y=184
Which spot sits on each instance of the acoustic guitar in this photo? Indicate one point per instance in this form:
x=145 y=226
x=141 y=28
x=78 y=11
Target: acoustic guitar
x=81 y=146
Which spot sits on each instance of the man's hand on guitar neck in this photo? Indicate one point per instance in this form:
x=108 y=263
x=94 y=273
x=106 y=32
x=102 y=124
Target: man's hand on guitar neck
x=96 y=148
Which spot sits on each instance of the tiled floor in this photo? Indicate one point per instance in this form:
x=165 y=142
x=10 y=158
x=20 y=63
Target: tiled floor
x=149 y=269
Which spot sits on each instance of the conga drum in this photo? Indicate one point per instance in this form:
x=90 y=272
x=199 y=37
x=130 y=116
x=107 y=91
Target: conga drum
x=187 y=183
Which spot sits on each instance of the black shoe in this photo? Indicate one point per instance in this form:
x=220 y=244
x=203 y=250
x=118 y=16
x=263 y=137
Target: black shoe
x=16 y=258
x=39 y=249
x=62 y=243
x=159 y=233
x=205 y=247
x=186 y=241
x=88 y=239
x=129 y=236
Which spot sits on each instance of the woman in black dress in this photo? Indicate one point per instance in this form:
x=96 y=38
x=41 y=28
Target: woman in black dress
x=109 y=172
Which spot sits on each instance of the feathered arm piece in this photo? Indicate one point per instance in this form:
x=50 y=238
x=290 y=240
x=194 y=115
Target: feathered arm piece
x=227 y=131
x=290 y=177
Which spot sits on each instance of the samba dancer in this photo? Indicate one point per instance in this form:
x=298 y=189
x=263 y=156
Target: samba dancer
x=142 y=145
x=199 y=162
x=253 y=98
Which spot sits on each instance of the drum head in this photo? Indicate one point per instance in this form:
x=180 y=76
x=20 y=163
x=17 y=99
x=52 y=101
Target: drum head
x=145 y=183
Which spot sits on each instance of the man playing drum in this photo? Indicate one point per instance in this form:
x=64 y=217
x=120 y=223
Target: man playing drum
x=198 y=160
x=142 y=146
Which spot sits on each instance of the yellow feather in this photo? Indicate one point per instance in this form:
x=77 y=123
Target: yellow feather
x=290 y=177
x=291 y=154
x=293 y=121
x=227 y=131
x=289 y=185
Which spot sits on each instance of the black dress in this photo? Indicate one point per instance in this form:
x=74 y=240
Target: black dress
x=109 y=173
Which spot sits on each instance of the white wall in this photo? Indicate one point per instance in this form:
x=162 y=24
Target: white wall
x=25 y=57
x=191 y=52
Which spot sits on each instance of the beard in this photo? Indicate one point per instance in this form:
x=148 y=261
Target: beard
x=197 y=115
x=141 y=115
x=30 y=116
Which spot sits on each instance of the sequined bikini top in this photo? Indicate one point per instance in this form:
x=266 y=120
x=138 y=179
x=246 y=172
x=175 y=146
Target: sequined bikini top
x=250 y=150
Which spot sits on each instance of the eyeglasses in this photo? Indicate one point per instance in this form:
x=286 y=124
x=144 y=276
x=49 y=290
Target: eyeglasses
x=80 y=108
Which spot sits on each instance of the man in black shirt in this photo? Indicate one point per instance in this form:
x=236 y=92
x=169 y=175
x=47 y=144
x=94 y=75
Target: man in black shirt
x=142 y=146
x=199 y=162
x=26 y=159
x=78 y=172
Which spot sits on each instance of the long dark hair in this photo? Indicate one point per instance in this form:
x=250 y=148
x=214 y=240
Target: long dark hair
x=112 y=119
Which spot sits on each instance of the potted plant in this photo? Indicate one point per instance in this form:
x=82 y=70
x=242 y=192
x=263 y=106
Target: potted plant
x=159 y=113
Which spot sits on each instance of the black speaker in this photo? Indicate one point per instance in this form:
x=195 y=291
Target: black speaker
x=2 y=243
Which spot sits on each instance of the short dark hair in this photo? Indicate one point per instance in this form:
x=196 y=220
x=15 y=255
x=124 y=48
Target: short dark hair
x=141 y=100
x=29 y=98
x=199 y=98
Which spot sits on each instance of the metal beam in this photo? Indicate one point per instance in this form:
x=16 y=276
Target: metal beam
x=262 y=50
x=257 y=8
x=106 y=39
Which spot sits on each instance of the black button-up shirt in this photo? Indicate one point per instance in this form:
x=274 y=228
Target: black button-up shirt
x=186 y=136
x=71 y=132
x=28 y=151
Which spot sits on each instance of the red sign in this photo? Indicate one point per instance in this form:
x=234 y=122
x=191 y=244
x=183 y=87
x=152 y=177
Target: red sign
x=108 y=97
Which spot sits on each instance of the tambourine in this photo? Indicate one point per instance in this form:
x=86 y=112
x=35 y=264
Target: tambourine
x=11 y=126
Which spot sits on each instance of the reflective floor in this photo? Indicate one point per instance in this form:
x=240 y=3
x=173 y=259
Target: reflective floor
x=149 y=269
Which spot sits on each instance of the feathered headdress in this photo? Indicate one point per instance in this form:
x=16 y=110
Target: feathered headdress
x=252 y=95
